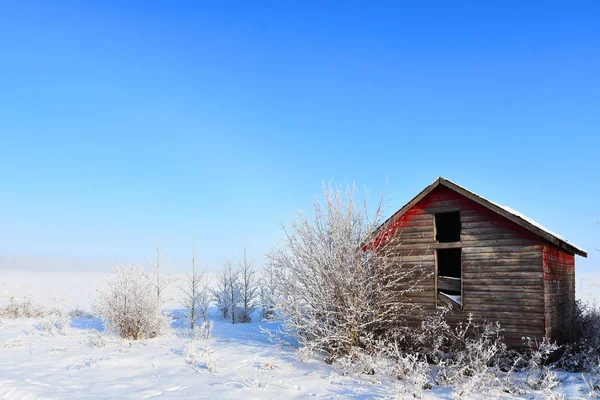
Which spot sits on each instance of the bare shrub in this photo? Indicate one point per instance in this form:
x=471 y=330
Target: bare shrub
x=97 y=339
x=592 y=385
x=539 y=372
x=204 y=331
x=414 y=374
x=210 y=361
x=337 y=288
x=467 y=356
x=23 y=308
x=361 y=361
x=13 y=343
x=129 y=306
x=203 y=360
x=582 y=352
x=189 y=353
x=55 y=322
x=80 y=313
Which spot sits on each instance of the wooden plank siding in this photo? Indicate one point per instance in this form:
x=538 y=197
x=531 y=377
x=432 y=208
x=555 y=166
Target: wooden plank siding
x=559 y=291
x=502 y=265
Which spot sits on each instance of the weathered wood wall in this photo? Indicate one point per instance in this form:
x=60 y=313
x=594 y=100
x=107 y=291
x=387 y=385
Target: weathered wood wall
x=502 y=264
x=559 y=291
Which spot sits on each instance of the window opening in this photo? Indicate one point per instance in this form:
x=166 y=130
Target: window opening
x=447 y=227
x=449 y=275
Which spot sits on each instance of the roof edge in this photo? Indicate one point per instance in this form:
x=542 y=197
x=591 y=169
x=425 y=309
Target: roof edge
x=517 y=219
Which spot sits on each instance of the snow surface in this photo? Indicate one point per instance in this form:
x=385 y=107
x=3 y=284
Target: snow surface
x=454 y=297
x=450 y=277
x=34 y=365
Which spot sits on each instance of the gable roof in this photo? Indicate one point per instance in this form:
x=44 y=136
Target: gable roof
x=502 y=210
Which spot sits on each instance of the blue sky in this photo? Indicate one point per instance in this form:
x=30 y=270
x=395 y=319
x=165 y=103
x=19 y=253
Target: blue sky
x=121 y=124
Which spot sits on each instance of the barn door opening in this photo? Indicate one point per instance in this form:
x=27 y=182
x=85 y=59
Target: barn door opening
x=449 y=276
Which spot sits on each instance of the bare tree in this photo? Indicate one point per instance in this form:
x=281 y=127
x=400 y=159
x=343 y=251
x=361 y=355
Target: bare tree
x=221 y=293
x=232 y=277
x=160 y=276
x=195 y=292
x=267 y=288
x=248 y=289
x=227 y=291
x=336 y=288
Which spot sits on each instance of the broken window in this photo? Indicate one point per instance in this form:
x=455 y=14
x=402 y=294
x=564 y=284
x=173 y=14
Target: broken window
x=447 y=227
x=449 y=274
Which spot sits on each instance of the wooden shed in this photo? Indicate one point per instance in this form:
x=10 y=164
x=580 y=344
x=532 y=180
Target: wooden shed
x=484 y=259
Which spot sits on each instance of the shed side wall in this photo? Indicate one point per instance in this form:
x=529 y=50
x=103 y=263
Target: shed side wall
x=559 y=291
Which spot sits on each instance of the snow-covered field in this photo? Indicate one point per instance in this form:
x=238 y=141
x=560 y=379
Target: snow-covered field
x=237 y=362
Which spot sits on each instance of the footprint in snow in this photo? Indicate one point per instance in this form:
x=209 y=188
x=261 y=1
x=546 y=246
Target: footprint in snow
x=177 y=389
x=152 y=394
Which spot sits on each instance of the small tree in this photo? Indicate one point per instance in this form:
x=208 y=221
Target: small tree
x=195 y=293
x=160 y=276
x=248 y=289
x=232 y=277
x=128 y=306
x=221 y=293
x=267 y=291
x=227 y=291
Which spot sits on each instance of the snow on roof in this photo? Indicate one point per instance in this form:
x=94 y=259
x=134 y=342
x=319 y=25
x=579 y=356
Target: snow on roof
x=518 y=215
x=536 y=224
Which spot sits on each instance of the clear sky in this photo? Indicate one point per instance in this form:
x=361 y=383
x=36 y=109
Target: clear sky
x=121 y=124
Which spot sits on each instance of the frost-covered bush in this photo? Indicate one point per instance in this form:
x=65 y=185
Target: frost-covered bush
x=204 y=331
x=189 y=352
x=466 y=356
x=337 y=287
x=205 y=359
x=361 y=361
x=414 y=374
x=539 y=372
x=129 y=306
x=210 y=361
x=53 y=321
x=440 y=342
x=23 y=308
x=474 y=351
x=80 y=313
x=582 y=353
x=97 y=339
x=56 y=323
